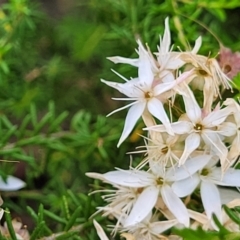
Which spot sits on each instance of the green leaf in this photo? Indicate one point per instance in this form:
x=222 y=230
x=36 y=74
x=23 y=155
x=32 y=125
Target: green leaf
x=9 y=225
x=232 y=215
x=55 y=217
x=39 y=228
x=73 y=218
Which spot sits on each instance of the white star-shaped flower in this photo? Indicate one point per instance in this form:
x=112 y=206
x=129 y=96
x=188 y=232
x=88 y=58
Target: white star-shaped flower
x=154 y=183
x=208 y=178
x=145 y=93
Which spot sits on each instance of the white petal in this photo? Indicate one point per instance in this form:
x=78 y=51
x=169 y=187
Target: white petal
x=234 y=151
x=160 y=227
x=132 y=61
x=200 y=217
x=211 y=199
x=215 y=118
x=190 y=167
x=182 y=127
x=227 y=129
x=129 y=178
x=163 y=87
x=156 y=128
x=155 y=107
x=166 y=41
x=143 y=206
x=186 y=186
x=192 y=108
x=228 y=195
x=94 y=175
x=145 y=73
x=133 y=115
x=231 y=102
x=192 y=142
x=175 y=205
x=12 y=184
x=129 y=88
x=100 y=231
x=230 y=178
x=197 y=46
x=212 y=139
x=1 y=213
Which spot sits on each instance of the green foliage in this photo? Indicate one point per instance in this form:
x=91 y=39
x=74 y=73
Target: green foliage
x=222 y=234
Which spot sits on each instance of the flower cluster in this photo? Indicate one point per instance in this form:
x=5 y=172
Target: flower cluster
x=193 y=152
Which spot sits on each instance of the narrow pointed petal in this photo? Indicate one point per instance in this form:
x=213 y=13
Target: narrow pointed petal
x=100 y=231
x=156 y=128
x=197 y=46
x=94 y=175
x=219 y=148
x=192 y=142
x=200 y=217
x=231 y=102
x=160 y=227
x=163 y=87
x=129 y=178
x=234 y=151
x=190 y=167
x=129 y=88
x=211 y=199
x=230 y=178
x=228 y=195
x=227 y=129
x=132 y=61
x=12 y=184
x=215 y=118
x=175 y=205
x=186 y=186
x=184 y=76
x=166 y=41
x=134 y=113
x=156 y=108
x=143 y=206
x=192 y=108
x=182 y=127
x=145 y=73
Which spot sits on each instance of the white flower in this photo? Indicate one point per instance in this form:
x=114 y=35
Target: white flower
x=201 y=126
x=161 y=149
x=11 y=184
x=234 y=151
x=120 y=200
x=207 y=70
x=208 y=224
x=153 y=184
x=145 y=93
x=208 y=177
x=167 y=60
x=149 y=228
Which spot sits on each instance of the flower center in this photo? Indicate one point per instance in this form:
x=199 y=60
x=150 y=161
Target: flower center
x=159 y=181
x=148 y=95
x=205 y=172
x=198 y=127
x=164 y=150
x=139 y=190
x=202 y=72
x=227 y=68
